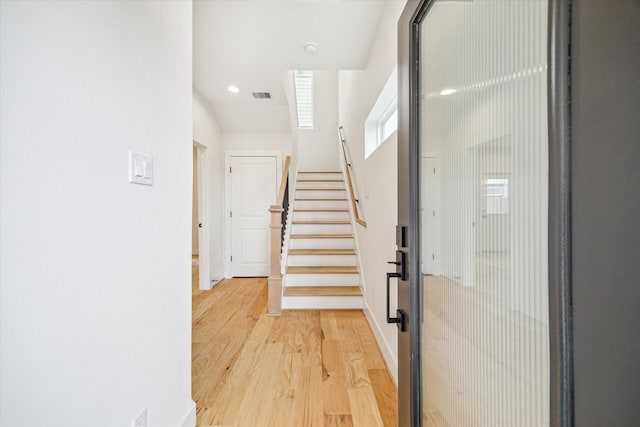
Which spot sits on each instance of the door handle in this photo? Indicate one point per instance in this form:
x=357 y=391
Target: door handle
x=400 y=315
x=200 y=225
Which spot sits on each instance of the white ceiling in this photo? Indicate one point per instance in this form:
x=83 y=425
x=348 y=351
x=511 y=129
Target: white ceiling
x=250 y=43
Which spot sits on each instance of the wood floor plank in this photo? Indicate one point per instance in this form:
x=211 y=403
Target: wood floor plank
x=386 y=396
x=305 y=408
x=364 y=413
x=329 y=325
x=262 y=384
x=251 y=369
x=335 y=397
x=308 y=351
x=214 y=362
x=358 y=375
x=373 y=356
x=235 y=385
x=284 y=392
x=348 y=336
x=338 y=420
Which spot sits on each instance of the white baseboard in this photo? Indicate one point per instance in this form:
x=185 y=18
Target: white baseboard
x=218 y=276
x=392 y=363
x=190 y=418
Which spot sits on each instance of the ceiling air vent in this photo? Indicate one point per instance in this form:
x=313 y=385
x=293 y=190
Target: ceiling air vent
x=261 y=95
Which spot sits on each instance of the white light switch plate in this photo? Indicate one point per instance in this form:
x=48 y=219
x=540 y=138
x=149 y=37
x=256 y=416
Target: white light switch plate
x=140 y=168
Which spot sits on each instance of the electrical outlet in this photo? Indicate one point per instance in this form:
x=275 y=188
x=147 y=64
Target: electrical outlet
x=141 y=419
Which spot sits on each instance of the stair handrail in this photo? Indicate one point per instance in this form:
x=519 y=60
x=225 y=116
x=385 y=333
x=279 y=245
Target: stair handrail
x=279 y=212
x=355 y=201
x=284 y=182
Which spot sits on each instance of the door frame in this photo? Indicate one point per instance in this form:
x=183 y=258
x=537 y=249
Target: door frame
x=560 y=301
x=227 y=195
x=204 y=258
x=559 y=237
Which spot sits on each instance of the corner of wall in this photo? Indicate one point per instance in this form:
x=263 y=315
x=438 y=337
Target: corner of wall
x=190 y=419
x=206 y=131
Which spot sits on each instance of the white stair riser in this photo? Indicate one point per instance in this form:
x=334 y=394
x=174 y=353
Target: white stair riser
x=321 y=216
x=322 y=279
x=317 y=184
x=321 y=244
x=319 y=303
x=322 y=194
x=321 y=260
x=321 y=228
x=302 y=175
x=321 y=204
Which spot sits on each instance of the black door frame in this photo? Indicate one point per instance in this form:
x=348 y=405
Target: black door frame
x=559 y=238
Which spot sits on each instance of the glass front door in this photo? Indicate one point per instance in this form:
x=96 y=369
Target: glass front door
x=483 y=144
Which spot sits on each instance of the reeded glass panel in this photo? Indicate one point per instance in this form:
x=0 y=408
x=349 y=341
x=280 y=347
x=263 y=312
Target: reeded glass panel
x=483 y=136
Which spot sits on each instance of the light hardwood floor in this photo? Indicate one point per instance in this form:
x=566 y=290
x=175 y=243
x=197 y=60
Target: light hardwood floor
x=305 y=368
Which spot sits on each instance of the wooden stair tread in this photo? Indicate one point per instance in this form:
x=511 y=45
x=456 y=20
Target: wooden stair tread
x=323 y=270
x=321 y=222
x=321 y=200
x=320 y=210
x=320 y=189
x=324 y=291
x=322 y=236
x=322 y=252
x=317 y=172
x=321 y=180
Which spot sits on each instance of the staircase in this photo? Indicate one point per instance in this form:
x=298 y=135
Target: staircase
x=321 y=265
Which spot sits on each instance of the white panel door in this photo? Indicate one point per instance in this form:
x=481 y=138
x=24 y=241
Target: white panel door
x=253 y=190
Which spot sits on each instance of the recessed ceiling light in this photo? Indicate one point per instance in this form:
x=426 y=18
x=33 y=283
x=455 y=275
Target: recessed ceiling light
x=446 y=92
x=233 y=89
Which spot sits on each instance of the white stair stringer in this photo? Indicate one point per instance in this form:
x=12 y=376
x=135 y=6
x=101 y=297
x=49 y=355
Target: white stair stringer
x=320 y=262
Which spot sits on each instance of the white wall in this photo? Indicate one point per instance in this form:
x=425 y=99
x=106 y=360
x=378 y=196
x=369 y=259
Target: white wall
x=95 y=314
x=375 y=176
x=206 y=132
x=317 y=147
x=194 y=205
x=258 y=142
x=289 y=90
